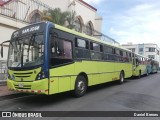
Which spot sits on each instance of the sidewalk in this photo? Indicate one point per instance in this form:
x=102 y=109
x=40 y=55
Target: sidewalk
x=4 y=90
x=3 y=82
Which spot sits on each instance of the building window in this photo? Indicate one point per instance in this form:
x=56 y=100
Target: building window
x=140 y=49
x=78 y=25
x=133 y=50
x=89 y=29
x=157 y=52
x=151 y=50
x=151 y=56
x=35 y=18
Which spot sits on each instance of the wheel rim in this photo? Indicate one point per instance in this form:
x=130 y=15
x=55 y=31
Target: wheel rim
x=81 y=86
x=122 y=79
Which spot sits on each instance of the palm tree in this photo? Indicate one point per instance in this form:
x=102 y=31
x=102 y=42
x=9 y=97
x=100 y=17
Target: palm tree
x=71 y=18
x=58 y=17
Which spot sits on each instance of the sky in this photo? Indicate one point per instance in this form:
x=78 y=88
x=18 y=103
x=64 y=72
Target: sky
x=135 y=21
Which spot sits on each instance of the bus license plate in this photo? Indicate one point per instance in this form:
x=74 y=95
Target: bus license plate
x=21 y=85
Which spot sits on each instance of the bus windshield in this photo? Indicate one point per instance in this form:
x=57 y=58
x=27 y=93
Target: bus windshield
x=27 y=51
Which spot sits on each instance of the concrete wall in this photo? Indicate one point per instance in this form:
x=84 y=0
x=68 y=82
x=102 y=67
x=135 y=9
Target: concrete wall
x=98 y=23
x=85 y=12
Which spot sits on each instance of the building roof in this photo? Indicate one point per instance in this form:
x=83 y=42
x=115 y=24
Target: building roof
x=139 y=44
x=88 y=5
x=3 y=2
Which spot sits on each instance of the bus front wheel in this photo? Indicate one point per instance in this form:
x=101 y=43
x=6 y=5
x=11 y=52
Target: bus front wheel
x=80 y=86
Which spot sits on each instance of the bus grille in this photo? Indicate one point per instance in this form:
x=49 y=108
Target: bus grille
x=24 y=75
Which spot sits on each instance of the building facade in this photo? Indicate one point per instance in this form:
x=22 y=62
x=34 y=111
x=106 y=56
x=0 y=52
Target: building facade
x=15 y=14
x=149 y=50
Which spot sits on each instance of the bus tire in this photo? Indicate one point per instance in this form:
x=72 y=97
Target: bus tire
x=139 y=76
x=121 y=80
x=80 y=86
x=147 y=73
x=156 y=70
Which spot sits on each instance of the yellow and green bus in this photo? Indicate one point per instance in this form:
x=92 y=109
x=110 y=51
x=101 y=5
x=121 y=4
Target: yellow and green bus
x=154 y=65
x=46 y=58
x=141 y=65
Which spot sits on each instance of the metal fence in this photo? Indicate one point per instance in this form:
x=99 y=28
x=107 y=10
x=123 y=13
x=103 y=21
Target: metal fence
x=21 y=9
x=105 y=37
x=3 y=70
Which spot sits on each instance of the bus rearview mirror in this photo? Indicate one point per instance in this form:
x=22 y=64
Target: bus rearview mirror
x=8 y=41
x=1 y=50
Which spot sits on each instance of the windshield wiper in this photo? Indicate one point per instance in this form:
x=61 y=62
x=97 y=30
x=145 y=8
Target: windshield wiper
x=30 y=41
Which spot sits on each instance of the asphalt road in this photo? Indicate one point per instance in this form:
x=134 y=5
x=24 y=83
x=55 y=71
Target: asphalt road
x=134 y=95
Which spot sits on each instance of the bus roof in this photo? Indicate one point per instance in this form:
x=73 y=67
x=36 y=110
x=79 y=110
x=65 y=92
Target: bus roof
x=88 y=37
x=141 y=55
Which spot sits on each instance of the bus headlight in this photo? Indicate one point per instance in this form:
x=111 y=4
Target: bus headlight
x=40 y=76
x=9 y=77
x=12 y=77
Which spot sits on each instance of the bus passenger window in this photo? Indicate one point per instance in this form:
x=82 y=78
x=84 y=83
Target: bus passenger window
x=80 y=43
x=137 y=61
x=101 y=48
x=67 y=49
x=91 y=45
x=82 y=49
x=61 y=51
x=96 y=47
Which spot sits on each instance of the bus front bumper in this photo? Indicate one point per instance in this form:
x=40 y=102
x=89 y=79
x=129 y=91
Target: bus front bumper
x=37 y=87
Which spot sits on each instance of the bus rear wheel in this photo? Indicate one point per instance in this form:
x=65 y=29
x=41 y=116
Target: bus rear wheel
x=80 y=86
x=121 y=80
x=139 y=76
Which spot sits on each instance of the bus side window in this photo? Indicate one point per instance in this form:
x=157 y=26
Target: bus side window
x=61 y=51
x=67 y=49
x=82 y=48
x=117 y=55
x=137 y=62
x=109 y=53
x=95 y=51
